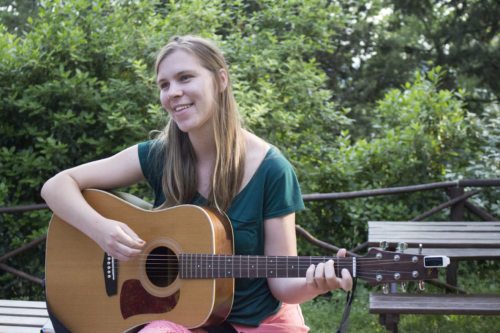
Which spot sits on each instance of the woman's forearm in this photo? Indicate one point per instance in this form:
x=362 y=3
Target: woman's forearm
x=292 y=290
x=63 y=196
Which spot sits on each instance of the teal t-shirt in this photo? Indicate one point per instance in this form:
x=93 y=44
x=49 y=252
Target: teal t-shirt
x=273 y=191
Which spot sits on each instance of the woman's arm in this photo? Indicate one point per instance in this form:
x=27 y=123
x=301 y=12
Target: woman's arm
x=280 y=240
x=63 y=195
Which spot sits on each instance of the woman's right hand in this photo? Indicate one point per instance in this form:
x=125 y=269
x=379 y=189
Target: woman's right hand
x=118 y=240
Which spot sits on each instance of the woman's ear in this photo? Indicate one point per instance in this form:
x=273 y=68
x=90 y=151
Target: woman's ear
x=223 y=79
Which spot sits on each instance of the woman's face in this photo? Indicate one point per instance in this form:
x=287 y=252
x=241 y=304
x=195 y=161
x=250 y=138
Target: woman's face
x=186 y=91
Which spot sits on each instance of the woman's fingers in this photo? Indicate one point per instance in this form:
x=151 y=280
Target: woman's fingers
x=323 y=278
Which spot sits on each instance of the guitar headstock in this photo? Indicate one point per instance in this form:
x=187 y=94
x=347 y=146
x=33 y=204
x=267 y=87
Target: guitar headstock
x=380 y=266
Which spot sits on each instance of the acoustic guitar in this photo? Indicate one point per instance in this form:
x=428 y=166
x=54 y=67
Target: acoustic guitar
x=185 y=273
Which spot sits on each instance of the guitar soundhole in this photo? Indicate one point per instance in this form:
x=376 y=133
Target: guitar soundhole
x=162 y=266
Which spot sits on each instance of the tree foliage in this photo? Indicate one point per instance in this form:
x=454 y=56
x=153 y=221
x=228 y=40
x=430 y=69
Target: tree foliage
x=357 y=94
x=380 y=44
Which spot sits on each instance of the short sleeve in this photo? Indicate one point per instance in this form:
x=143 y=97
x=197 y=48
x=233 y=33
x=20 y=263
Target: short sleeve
x=151 y=161
x=282 y=193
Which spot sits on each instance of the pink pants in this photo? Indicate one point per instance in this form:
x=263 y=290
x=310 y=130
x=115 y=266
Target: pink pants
x=288 y=319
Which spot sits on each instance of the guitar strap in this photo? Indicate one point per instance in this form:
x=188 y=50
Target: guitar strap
x=344 y=322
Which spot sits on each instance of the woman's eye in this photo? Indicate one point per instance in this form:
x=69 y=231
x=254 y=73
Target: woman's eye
x=185 y=77
x=164 y=85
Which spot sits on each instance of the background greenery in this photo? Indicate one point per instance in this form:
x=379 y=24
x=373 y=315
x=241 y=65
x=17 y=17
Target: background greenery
x=357 y=94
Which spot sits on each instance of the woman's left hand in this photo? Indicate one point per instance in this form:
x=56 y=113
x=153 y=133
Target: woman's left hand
x=322 y=278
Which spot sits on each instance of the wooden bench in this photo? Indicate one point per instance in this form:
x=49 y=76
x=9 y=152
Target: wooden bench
x=457 y=240
x=23 y=317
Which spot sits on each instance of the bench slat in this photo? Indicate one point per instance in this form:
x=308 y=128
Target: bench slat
x=19 y=329
x=23 y=321
x=435 y=304
x=436 y=234
x=22 y=304
x=23 y=312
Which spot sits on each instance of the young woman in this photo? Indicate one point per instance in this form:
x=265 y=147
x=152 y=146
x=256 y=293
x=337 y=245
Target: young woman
x=205 y=157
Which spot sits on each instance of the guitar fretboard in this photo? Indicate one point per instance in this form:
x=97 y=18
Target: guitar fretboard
x=208 y=266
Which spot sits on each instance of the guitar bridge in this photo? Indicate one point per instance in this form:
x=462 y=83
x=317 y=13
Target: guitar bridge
x=110 y=272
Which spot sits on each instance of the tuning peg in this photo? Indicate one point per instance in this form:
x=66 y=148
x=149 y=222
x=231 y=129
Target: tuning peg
x=404 y=286
x=385 y=288
x=402 y=247
x=421 y=285
x=420 y=247
x=384 y=245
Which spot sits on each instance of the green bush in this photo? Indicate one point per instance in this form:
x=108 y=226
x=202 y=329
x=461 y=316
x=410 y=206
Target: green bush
x=422 y=132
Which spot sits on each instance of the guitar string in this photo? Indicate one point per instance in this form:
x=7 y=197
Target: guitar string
x=304 y=263
x=277 y=263
x=281 y=264
x=242 y=256
x=367 y=275
x=210 y=271
x=263 y=259
x=204 y=267
x=341 y=262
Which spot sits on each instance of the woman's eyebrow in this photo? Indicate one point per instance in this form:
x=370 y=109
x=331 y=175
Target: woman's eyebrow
x=184 y=72
x=178 y=74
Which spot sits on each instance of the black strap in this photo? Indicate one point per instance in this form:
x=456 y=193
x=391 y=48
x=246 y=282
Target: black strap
x=344 y=323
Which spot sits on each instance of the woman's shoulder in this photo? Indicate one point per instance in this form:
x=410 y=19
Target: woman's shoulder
x=261 y=155
x=256 y=148
x=255 y=152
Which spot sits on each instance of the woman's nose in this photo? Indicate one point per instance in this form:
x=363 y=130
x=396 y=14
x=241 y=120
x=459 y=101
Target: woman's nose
x=174 y=91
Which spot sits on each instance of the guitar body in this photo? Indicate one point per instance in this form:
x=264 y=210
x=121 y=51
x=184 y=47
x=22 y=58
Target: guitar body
x=91 y=292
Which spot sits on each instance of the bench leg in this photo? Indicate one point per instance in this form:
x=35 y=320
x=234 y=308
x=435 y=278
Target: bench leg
x=390 y=321
x=451 y=273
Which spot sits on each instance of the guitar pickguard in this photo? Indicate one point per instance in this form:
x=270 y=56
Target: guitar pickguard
x=135 y=300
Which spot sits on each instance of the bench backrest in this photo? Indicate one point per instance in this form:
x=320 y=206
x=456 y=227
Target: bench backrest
x=455 y=239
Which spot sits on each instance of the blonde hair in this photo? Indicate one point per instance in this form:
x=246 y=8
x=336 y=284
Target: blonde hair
x=180 y=181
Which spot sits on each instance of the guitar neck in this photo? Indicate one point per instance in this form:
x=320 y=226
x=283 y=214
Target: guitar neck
x=207 y=266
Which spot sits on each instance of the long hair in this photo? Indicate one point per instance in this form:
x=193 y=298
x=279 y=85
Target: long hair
x=180 y=181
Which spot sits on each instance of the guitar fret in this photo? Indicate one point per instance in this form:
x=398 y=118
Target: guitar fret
x=265 y=261
x=212 y=267
x=207 y=265
x=276 y=266
x=286 y=266
x=196 y=265
x=298 y=266
x=337 y=264
x=191 y=266
x=270 y=272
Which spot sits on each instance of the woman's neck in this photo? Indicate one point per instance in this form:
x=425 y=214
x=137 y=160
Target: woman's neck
x=204 y=146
